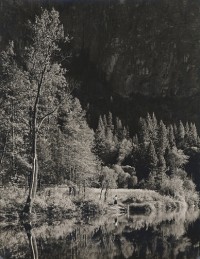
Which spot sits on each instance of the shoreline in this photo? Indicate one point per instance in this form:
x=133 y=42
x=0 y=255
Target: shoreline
x=57 y=205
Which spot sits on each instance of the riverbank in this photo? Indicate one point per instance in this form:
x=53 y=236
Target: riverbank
x=85 y=233
x=56 y=203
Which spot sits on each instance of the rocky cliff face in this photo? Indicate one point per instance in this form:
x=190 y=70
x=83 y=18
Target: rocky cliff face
x=145 y=47
x=126 y=48
x=137 y=46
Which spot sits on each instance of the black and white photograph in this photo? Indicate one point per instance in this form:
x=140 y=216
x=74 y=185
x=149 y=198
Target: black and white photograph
x=99 y=129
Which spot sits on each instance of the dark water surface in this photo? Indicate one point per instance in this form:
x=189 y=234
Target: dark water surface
x=158 y=235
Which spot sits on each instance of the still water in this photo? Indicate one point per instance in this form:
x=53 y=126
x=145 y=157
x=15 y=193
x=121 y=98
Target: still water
x=158 y=235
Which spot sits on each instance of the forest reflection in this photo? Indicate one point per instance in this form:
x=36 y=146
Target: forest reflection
x=158 y=235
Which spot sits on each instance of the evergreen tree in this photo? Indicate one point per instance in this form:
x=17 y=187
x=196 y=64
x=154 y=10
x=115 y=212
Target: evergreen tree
x=14 y=146
x=125 y=149
x=180 y=134
x=78 y=144
x=171 y=137
x=154 y=129
x=143 y=134
x=193 y=135
x=119 y=129
x=162 y=137
x=118 y=123
x=187 y=134
x=187 y=128
x=175 y=131
x=111 y=147
x=149 y=125
x=110 y=121
x=161 y=164
x=135 y=140
x=152 y=158
x=105 y=123
x=100 y=139
x=106 y=143
x=125 y=133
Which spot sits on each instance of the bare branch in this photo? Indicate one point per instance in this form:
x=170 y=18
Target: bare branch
x=46 y=116
x=50 y=113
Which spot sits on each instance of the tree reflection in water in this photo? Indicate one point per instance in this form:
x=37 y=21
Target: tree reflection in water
x=32 y=240
x=158 y=235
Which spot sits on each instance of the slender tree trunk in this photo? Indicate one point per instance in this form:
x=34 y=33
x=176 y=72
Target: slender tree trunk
x=32 y=241
x=13 y=136
x=105 y=194
x=101 y=192
x=34 y=174
x=4 y=149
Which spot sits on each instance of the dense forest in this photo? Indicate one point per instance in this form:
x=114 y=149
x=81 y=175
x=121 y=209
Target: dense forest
x=52 y=134
x=99 y=128
x=134 y=56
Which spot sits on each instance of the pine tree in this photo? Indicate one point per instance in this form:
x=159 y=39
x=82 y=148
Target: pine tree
x=125 y=133
x=162 y=137
x=100 y=139
x=159 y=175
x=171 y=137
x=118 y=124
x=14 y=146
x=110 y=121
x=154 y=129
x=135 y=140
x=187 y=128
x=101 y=124
x=161 y=164
x=78 y=143
x=143 y=134
x=149 y=125
x=180 y=134
x=154 y=121
x=193 y=135
x=111 y=147
x=152 y=158
x=175 y=131
x=187 y=135
x=119 y=129
x=125 y=149
x=105 y=123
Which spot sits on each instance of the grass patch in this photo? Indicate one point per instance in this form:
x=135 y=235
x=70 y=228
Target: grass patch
x=56 y=203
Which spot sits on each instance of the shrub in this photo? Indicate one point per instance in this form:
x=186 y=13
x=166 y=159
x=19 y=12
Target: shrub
x=172 y=186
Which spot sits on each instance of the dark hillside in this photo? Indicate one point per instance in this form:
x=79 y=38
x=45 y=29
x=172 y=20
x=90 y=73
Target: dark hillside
x=125 y=49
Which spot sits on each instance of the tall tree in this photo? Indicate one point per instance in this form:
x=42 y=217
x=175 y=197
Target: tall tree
x=193 y=135
x=40 y=79
x=77 y=143
x=171 y=137
x=162 y=136
x=152 y=158
x=100 y=139
x=119 y=129
x=154 y=129
x=46 y=79
x=180 y=134
x=13 y=105
x=143 y=134
x=110 y=121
